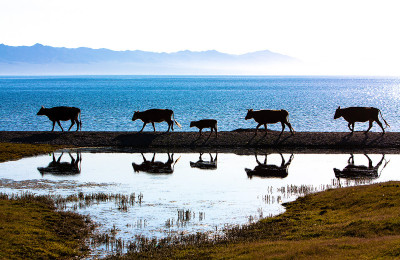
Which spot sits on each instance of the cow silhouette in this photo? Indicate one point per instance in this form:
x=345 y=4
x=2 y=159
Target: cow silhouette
x=156 y=116
x=205 y=165
x=156 y=167
x=353 y=172
x=264 y=117
x=265 y=170
x=360 y=114
x=56 y=167
x=57 y=114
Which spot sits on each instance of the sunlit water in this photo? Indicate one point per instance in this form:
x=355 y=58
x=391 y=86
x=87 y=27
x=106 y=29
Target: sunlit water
x=178 y=198
x=108 y=102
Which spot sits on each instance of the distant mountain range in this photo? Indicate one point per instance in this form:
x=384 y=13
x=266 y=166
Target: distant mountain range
x=46 y=60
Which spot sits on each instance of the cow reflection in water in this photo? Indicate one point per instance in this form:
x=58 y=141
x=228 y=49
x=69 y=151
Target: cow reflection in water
x=205 y=165
x=352 y=171
x=156 y=167
x=265 y=170
x=56 y=167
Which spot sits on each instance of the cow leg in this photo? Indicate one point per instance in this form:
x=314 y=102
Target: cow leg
x=72 y=123
x=370 y=126
x=200 y=131
x=154 y=127
x=77 y=124
x=265 y=125
x=58 y=122
x=349 y=126
x=54 y=123
x=290 y=127
x=282 y=160
x=258 y=126
x=211 y=130
x=380 y=124
x=169 y=126
x=144 y=124
x=283 y=128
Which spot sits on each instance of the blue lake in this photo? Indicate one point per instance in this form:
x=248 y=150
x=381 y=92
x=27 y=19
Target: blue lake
x=108 y=102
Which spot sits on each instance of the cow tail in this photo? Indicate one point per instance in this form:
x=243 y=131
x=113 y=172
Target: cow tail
x=176 y=122
x=80 y=121
x=386 y=123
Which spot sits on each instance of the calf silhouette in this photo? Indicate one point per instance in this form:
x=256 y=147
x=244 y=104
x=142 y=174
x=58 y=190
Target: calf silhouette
x=156 y=116
x=265 y=170
x=360 y=114
x=156 y=167
x=205 y=123
x=205 y=165
x=264 y=117
x=56 y=167
x=57 y=114
x=352 y=171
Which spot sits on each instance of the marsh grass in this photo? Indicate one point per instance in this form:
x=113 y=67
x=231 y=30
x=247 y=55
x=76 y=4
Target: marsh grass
x=352 y=222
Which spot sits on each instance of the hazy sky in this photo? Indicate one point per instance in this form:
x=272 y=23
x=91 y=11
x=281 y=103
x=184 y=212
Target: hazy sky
x=332 y=37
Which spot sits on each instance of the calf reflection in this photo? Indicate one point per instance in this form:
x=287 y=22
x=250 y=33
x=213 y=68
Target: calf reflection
x=56 y=167
x=156 y=167
x=205 y=165
x=352 y=171
x=265 y=170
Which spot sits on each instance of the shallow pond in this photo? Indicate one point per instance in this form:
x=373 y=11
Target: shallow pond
x=180 y=193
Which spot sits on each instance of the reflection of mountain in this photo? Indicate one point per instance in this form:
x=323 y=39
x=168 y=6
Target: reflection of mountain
x=265 y=170
x=352 y=171
x=56 y=167
x=205 y=165
x=47 y=60
x=156 y=167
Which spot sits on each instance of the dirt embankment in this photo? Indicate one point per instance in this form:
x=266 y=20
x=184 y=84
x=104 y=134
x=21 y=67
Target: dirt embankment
x=225 y=140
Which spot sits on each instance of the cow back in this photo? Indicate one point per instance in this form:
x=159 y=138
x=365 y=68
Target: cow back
x=155 y=115
x=270 y=116
x=62 y=113
x=360 y=114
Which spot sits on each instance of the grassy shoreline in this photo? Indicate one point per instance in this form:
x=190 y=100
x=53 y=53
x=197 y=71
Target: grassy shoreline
x=354 y=222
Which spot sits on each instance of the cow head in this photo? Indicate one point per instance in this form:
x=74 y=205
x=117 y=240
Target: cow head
x=249 y=114
x=338 y=113
x=42 y=111
x=135 y=115
x=193 y=123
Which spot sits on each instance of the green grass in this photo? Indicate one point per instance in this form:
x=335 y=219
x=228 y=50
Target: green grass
x=356 y=222
x=31 y=228
x=13 y=151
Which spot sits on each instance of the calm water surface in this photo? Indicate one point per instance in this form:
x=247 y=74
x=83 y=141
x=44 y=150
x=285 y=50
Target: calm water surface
x=183 y=193
x=108 y=102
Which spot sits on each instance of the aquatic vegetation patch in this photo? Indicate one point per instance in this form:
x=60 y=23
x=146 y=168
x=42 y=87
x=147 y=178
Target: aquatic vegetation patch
x=349 y=222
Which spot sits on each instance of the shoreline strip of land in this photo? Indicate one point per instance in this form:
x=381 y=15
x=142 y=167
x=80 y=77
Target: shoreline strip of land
x=245 y=139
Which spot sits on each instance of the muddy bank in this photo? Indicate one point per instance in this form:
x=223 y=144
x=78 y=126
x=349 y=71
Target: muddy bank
x=226 y=140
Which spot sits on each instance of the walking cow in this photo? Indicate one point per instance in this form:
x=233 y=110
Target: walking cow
x=57 y=114
x=264 y=117
x=156 y=116
x=360 y=114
